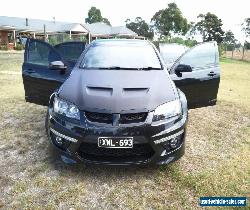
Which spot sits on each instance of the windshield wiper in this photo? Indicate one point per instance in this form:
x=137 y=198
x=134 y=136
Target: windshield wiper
x=149 y=68
x=117 y=68
x=110 y=68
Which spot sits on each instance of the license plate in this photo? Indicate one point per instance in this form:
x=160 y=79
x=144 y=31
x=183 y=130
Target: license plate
x=115 y=142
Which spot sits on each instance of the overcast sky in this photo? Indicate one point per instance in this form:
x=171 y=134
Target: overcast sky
x=232 y=13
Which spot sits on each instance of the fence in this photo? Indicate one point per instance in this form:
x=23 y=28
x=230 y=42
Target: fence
x=238 y=54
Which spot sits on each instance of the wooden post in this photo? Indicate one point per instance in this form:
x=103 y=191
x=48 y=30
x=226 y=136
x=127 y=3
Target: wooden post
x=233 y=51
x=14 y=37
x=243 y=52
x=89 y=38
x=44 y=32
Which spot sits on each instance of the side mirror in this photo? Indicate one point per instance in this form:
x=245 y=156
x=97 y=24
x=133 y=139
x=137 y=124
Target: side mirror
x=57 y=65
x=182 y=68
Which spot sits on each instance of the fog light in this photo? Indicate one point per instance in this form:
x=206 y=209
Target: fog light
x=59 y=140
x=174 y=142
x=67 y=160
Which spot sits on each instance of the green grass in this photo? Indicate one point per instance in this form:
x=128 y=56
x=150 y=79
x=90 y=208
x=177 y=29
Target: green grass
x=216 y=162
x=228 y=60
x=235 y=82
x=11 y=61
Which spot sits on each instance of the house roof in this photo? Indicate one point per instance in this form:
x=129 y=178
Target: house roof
x=122 y=30
x=98 y=28
x=36 y=25
x=74 y=27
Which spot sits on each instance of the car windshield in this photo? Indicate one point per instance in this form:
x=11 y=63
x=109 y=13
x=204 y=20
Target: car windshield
x=116 y=55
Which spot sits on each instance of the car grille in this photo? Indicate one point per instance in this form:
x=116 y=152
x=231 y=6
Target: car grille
x=99 y=117
x=124 y=118
x=133 y=118
x=139 y=152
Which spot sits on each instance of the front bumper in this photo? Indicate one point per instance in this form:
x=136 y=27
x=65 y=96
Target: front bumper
x=151 y=141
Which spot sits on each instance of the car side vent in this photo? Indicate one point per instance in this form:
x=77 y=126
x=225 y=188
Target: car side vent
x=99 y=91
x=135 y=91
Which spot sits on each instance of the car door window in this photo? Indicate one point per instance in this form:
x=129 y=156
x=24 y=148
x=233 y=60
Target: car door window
x=70 y=51
x=171 y=52
x=41 y=54
x=201 y=56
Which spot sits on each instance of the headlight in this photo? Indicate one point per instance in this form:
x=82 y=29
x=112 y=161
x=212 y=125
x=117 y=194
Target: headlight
x=167 y=110
x=65 y=108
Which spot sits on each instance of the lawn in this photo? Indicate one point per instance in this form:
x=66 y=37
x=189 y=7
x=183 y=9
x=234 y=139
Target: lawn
x=216 y=163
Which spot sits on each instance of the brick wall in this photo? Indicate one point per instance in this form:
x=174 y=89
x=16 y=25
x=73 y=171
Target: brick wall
x=4 y=40
x=4 y=37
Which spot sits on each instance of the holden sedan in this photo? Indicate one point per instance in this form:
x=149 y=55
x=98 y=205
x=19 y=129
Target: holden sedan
x=114 y=101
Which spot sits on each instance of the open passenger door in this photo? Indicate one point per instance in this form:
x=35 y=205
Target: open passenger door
x=46 y=67
x=197 y=74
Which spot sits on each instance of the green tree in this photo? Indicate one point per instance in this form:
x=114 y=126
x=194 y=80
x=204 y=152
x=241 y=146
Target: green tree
x=210 y=27
x=229 y=41
x=247 y=45
x=229 y=38
x=95 y=15
x=187 y=42
x=140 y=27
x=170 y=20
x=105 y=20
x=246 y=27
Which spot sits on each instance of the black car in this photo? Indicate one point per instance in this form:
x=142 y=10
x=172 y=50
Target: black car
x=114 y=101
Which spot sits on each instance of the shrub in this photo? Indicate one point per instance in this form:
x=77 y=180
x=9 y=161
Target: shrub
x=4 y=47
x=52 y=40
x=221 y=49
x=19 y=47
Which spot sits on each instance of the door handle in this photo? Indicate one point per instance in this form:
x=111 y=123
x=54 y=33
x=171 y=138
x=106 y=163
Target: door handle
x=30 y=71
x=211 y=74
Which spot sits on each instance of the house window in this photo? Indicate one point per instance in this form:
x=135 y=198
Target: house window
x=10 y=37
